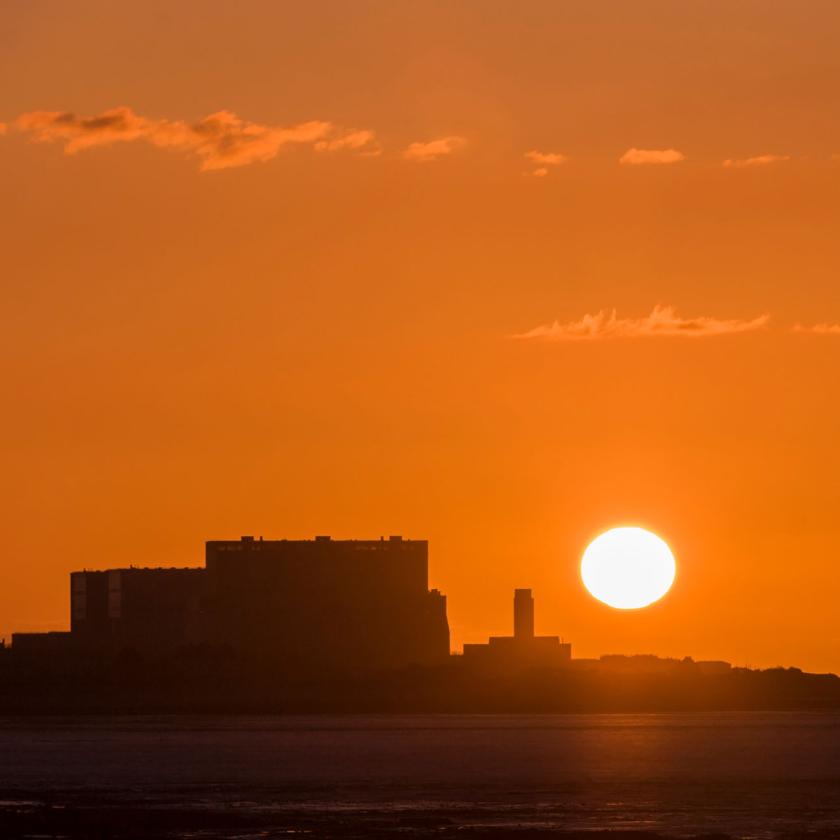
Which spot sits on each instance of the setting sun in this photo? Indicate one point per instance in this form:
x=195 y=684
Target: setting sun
x=628 y=568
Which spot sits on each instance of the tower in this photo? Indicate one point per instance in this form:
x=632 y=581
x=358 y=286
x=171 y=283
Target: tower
x=523 y=614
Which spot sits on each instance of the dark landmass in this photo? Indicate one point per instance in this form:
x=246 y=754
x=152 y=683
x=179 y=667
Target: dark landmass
x=338 y=626
x=202 y=680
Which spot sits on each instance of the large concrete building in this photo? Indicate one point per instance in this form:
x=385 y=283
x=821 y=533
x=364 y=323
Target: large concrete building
x=296 y=606
x=326 y=604
x=523 y=649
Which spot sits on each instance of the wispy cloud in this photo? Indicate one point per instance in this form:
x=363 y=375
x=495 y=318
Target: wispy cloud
x=760 y=160
x=546 y=158
x=434 y=149
x=543 y=161
x=363 y=141
x=663 y=322
x=641 y=157
x=220 y=141
x=77 y=133
x=818 y=329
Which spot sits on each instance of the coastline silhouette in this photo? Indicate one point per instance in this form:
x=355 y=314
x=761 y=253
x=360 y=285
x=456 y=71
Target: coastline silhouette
x=339 y=625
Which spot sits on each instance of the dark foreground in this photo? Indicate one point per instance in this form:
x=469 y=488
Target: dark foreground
x=739 y=775
x=201 y=682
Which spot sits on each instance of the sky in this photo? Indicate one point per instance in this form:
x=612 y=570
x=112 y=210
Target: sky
x=497 y=275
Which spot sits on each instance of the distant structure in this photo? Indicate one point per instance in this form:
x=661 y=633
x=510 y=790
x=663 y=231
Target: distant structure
x=148 y=610
x=326 y=604
x=523 y=614
x=523 y=649
x=647 y=663
x=35 y=645
x=291 y=607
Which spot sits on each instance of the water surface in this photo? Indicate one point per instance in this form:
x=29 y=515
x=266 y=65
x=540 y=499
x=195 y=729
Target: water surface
x=741 y=774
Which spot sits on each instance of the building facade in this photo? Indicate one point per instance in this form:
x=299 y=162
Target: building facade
x=295 y=606
x=147 y=610
x=324 y=604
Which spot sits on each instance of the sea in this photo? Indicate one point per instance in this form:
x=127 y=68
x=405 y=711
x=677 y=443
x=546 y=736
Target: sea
x=740 y=775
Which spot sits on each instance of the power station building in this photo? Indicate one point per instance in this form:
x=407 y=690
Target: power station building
x=292 y=605
x=326 y=604
x=293 y=608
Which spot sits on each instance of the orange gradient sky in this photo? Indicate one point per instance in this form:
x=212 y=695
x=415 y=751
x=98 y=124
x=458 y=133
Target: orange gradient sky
x=355 y=300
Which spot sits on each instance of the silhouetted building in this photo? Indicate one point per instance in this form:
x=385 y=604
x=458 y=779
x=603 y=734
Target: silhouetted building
x=639 y=663
x=148 y=610
x=648 y=663
x=301 y=605
x=326 y=605
x=523 y=614
x=713 y=666
x=51 y=644
x=523 y=649
x=293 y=606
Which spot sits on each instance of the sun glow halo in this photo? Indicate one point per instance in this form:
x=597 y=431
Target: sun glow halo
x=628 y=568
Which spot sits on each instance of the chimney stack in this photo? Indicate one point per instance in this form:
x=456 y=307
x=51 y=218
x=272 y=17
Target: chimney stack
x=523 y=614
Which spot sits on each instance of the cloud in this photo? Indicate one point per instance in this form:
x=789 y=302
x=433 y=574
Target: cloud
x=434 y=149
x=220 y=141
x=761 y=160
x=818 y=329
x=639 y=157
x=663 y=322
x=77 y=133
x=363 y=141
x=3 y=128
x=546 y=158
x=223 y=140
x=543 y=161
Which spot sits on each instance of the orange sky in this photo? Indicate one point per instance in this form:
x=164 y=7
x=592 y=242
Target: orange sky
x=298 y=317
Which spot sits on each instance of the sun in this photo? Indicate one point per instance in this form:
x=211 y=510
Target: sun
x=628 y=568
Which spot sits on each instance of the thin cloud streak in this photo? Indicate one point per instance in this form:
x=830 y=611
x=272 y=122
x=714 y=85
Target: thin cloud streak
x=363 y=141
x=220 y=141
x=434 y=149
x=643 y=157
x=760 y=160
x=663 y=322
x=547 y=158
x=818 y=329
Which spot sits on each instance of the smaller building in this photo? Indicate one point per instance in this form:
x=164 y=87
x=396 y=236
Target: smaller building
x=713 y=666
x=151 y=611
x=648 y=663
x=41 y=645
x=523 y=649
